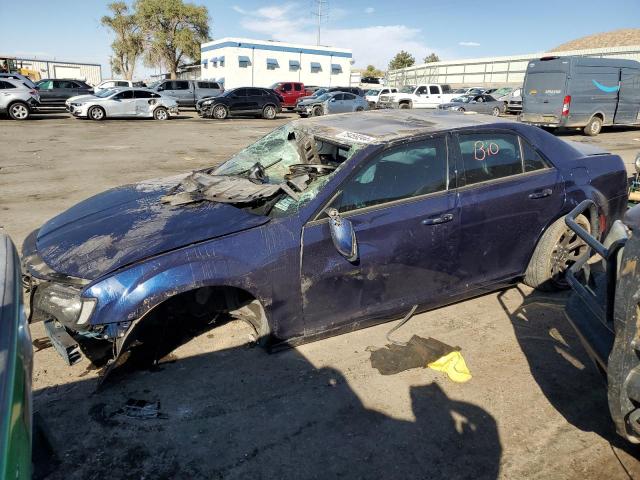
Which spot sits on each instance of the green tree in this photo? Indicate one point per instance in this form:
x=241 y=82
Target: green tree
x=401 y=60
x=372 y=71
x=173 y=31
x=432 y=57
x=128 y=44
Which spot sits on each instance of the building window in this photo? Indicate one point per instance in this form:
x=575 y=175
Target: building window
x=316 y=67
x=272 y=64
x=244 y=61
x=336 y=68
x=294 y=65
x=221 y=61
x=204 y=63
x=214 y=62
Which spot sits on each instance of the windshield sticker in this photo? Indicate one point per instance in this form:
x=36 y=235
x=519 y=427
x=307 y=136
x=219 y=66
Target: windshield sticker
x=355 y=137
x=481 y=150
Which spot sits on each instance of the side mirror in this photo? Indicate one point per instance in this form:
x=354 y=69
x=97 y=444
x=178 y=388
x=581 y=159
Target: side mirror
x=333 y=99
x=160 y=88
x=343 y=235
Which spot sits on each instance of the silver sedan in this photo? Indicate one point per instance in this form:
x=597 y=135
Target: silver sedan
x=334 y=102
x=123 y=102
x=475 y=103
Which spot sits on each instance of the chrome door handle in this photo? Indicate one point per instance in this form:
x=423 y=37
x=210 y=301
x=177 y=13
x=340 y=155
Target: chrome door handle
x=541 y=194
x=447 y=217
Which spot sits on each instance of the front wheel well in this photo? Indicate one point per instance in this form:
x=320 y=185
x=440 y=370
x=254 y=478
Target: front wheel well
x=182 y=316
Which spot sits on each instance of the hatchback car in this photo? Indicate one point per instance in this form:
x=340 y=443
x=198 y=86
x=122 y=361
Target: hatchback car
x=17 y=99
x=332 y=102
x=255 y=102
x=54 y=92
x=324 y=225
x=123 y=103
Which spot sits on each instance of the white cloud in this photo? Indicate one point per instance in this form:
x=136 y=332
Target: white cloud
x=369 y=10
x=469 y=44
x=374 y=45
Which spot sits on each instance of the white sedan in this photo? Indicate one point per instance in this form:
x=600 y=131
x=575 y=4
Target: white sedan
x=124 y=103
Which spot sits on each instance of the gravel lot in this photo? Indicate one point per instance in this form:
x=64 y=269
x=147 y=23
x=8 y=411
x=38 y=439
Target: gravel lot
x=535 y=408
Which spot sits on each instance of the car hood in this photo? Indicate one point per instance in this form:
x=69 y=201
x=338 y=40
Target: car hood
x=309 y=101
x=130 y=223
x=80 y=98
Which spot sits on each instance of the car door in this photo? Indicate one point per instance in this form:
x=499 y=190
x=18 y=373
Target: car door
x=508 y=194
x=628 y=109
x=349 y=102
x=63 y=89
x=404 y=214
x=144 y=101
x=254 y=100
x=239 y=101
x=45 y=90
x=122 y=104
x=420 y=98
x=286 y=90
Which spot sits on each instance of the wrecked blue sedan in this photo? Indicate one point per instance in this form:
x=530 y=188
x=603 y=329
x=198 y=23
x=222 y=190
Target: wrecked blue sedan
x=323 y=226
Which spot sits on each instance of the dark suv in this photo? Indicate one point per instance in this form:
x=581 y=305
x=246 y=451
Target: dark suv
x=242 y=101
x=54 y=92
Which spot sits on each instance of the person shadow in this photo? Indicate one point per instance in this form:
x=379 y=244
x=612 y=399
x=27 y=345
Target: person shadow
x=242 y=413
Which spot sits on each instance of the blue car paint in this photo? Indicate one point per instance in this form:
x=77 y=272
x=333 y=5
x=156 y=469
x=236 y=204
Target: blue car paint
x=290 y=265
x=604 y=88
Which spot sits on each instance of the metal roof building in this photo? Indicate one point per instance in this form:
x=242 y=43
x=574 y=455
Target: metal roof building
x=492 y=71
x=89 y=72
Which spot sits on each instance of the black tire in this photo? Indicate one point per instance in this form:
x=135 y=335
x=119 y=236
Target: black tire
x=317 y=111
x=594 y=127
x=404 y=105
x=219 y=112
x=495 y=112
x=359 y=109
x=269 y=112
x=556 y=251
x=19 y=111
x=96 y=113
x=160 y=113
x=461 y=109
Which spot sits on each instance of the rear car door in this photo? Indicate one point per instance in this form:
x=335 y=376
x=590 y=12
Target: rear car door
x=64 y=89
x=254 y=100
x=144 y=102
x=239 y=101
x=405 y=218
x=508 y=194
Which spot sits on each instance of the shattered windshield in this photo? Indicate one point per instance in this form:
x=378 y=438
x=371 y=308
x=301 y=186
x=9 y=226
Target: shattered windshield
x=407 y=89
x=462 y=99
x=275 y=176
x=372 y=92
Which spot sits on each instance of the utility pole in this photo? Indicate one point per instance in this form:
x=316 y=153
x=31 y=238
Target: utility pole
x=320 y=10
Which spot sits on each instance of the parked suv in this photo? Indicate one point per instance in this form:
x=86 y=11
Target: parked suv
x=242 y=101
x=17 y=76
x=188 y=92
x=54 y=92
x=17 y=99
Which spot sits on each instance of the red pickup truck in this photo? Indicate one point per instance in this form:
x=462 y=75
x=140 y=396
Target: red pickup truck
x=290 y=92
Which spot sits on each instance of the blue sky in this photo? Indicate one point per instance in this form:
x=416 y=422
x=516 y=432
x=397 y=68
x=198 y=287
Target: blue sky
x=375 y=30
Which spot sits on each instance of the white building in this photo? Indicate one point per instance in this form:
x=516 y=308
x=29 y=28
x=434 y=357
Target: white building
x=492 y=71
x=242 y=62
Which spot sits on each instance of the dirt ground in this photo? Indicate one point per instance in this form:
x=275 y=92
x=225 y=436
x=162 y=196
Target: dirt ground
x=535 y=408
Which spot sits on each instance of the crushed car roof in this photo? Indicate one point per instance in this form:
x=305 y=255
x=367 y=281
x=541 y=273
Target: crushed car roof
x=384 y=125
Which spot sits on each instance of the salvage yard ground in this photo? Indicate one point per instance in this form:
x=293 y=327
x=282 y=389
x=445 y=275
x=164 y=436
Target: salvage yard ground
x=535 y=407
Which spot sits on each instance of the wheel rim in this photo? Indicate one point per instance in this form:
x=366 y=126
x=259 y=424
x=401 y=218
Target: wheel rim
x=19 y=111
x=269 y=112
x=496 y=111
x=161 y=114
x=595 y=126
x=96 y=113
x=317 y=112
x=461 y=109
x=219 y=112
x=567 y=250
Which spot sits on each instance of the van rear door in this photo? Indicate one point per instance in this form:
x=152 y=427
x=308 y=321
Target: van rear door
x=629 y=97
x=542 y=97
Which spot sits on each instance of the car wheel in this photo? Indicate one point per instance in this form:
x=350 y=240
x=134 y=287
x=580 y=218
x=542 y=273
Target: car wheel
x=359 y=109
x=495 y=112
x=269 y=112
x=557 y=250
x=220 y=112
x=19 y=111
x=317 y=111
x=461 y=109
x=160 y=113
x=404 y=105
x=96 y=113
x=593 y=127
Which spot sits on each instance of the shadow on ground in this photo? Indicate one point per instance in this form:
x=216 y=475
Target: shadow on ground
x=241 y=413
